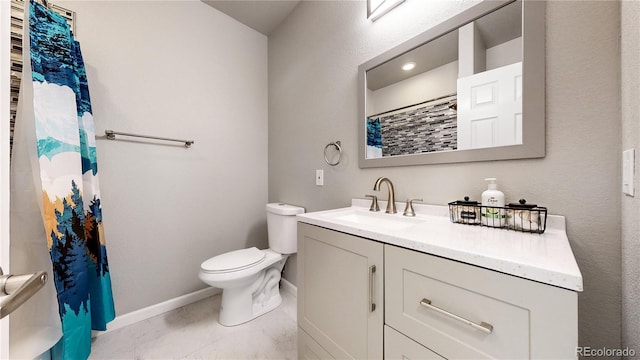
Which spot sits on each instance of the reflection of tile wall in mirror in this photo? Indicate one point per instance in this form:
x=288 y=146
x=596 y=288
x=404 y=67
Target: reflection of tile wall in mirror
x=427 y=128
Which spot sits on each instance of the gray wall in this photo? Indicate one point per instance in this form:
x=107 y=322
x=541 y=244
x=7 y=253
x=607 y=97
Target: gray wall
x=313 y=60
x=176 y=69
x=630 y=75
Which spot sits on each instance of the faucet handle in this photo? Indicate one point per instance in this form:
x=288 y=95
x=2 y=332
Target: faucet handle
x=374 y=203
x=408 y=209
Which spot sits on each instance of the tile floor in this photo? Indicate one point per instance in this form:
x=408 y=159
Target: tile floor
x=193 y=332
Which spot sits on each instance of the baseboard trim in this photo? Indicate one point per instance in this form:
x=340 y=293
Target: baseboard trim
x=157 y=309
x=289 y=287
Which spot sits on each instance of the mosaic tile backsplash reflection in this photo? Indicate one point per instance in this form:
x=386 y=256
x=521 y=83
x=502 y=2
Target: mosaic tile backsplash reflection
x=423 y=129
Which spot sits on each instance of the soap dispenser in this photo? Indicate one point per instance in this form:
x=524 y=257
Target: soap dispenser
x=493 y=216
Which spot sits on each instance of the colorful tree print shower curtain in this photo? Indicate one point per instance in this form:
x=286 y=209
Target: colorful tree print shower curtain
x=71 y=211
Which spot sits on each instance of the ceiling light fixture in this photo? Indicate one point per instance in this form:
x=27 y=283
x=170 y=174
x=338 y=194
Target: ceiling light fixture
x=408 y=66
x=377 y=8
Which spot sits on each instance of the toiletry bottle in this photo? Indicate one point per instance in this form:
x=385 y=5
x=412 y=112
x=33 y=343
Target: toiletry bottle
x=494 y=217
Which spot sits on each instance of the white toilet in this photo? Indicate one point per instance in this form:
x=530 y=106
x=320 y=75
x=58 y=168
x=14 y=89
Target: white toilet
x=250 y=278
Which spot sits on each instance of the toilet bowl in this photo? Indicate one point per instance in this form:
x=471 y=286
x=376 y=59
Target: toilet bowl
x=250 y=278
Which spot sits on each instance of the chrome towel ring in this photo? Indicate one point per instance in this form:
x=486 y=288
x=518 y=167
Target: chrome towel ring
x=336 y=145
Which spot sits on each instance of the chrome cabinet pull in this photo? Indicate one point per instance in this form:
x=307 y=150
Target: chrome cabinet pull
x=372 y=304
x=18 y=289
x=483 y=326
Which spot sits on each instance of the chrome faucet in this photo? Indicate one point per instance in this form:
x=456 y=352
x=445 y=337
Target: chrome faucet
x=391 y=201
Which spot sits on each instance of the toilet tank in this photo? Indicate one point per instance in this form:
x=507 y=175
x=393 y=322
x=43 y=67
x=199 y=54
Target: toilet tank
x=282 y=227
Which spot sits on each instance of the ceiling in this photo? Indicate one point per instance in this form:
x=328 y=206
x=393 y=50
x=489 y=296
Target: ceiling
x=261 y=15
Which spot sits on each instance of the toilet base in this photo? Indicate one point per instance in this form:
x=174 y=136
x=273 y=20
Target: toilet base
x=242 y=304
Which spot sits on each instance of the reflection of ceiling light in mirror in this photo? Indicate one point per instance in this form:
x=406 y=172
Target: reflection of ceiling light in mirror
x=408 y=66
x=377 y=8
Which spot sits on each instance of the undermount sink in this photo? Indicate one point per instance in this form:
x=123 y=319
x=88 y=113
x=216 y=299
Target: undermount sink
x=368 y=219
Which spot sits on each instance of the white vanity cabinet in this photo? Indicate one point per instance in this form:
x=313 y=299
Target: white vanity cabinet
x=461 y=311
x=340 y=295
x=431 y=307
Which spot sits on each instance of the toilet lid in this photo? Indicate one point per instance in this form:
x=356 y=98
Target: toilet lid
x=234 y=260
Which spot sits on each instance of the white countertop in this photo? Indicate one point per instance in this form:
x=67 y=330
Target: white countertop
x=546 y=258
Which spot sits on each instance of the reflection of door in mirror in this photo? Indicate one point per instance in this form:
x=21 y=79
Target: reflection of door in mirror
x=490 y=108
x=490 y=81
x=464 y=91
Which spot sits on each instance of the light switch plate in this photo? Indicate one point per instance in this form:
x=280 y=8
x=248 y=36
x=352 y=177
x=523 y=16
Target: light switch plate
x=628 y=171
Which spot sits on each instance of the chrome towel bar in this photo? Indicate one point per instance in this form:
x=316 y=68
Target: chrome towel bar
x=111 y=135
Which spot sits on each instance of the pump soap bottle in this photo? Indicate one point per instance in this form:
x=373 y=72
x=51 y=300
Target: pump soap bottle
x=494 y=217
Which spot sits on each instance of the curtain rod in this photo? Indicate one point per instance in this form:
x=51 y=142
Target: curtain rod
x=111 y=135
x=408 y=106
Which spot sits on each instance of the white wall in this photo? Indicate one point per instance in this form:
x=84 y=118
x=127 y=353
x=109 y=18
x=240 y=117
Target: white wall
x=175 y=69
x=630 y=92
x=416 y=89
x=472 y=54
x=313 y=60
x=507 y=53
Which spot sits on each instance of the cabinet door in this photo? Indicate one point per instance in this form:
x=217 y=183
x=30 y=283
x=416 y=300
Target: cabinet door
x=340 y=304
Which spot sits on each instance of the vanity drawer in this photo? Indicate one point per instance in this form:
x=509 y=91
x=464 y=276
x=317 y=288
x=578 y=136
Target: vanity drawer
x=455 y=309
x=398 y=346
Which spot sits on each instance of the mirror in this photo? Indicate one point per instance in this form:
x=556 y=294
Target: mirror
x=476 y=91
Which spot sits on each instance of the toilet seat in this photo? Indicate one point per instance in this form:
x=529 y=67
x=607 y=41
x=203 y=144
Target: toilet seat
x=233 y=261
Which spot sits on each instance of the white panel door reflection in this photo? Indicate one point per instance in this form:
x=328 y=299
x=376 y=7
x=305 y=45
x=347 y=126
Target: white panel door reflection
x=490 y=108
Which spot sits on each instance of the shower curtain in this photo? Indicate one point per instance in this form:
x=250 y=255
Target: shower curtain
x=64 y=177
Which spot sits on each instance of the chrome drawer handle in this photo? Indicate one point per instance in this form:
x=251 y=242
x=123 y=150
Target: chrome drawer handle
x=483 y=326
x=372 y=304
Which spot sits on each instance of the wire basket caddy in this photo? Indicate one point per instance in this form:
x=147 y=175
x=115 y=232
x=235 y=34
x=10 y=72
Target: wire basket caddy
x=518 y=217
